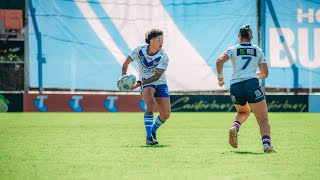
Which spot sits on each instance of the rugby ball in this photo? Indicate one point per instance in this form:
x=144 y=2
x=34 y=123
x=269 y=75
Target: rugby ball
x=126 y=82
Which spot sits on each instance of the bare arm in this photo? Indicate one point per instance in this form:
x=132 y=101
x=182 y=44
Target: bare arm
x=155 y=77
x=125 y=65
x=158 y=73
x=263 y=71
x=219 y=64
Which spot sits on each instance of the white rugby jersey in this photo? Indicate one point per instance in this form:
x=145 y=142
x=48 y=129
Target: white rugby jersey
x=245 y=58
x=149 y=63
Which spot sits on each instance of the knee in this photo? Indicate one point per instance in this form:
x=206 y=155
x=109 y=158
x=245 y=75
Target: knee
x=247 y=114
x=164 y=116
x=244 y=114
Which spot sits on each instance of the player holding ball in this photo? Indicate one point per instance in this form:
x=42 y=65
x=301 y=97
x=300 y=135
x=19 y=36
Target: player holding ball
x=152 y=62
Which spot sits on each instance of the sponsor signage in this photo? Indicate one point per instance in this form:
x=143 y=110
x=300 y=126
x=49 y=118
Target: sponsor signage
x=201 y=103
x=11 y=102
x=293 y=44
x=287 y=103
x=219 y=103
x=82 y=103
x=134 y=103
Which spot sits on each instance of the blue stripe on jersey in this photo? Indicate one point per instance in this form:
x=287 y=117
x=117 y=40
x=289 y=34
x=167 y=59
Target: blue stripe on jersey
x=145 y=62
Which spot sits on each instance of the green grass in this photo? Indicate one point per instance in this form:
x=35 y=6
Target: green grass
x=191 y=146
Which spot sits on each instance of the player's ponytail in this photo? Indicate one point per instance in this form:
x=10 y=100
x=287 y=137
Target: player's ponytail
x=246 y=32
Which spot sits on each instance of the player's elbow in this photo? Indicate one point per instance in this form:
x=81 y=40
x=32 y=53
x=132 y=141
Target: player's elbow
x=219 y=62
x=263 y=71
x=157 y=77
x=125 y=64
x=265 y=74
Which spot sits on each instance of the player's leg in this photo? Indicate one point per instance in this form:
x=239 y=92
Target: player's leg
x=258 y=105
x=261 y=113
x=241 y=116
x=163 y=101
x=148 y=97
x=238 y=98
x=243 y=113
x=164 y=113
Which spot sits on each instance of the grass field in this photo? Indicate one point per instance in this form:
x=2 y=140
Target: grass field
x=191 y=146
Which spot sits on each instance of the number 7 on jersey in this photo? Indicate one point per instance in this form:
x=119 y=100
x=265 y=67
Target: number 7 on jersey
x=248 y=59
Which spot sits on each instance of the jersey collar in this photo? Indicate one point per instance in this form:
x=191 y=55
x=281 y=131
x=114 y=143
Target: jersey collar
x=245 y=44
x=151 y=54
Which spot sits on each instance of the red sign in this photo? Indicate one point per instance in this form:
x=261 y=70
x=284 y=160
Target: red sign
x=82 y=103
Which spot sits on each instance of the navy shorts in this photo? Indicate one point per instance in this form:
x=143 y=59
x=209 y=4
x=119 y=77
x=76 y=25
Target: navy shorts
x=161 y=90
x=246 y=91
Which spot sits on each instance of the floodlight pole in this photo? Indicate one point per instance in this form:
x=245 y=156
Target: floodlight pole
x=261 y=23
x=40 y=57
x=26 y=49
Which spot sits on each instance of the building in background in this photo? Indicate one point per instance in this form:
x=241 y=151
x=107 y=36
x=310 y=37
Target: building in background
x=12 y=45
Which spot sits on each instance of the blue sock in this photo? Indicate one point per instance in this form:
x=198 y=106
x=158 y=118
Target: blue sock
x=148 y=120
x=157 y=124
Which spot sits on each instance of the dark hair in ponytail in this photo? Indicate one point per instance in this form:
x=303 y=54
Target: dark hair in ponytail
x=245 y=31
x=152 y=33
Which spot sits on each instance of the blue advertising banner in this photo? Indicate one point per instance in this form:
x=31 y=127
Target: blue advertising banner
x=314 y=103
x=293 y=43
x=83 y=44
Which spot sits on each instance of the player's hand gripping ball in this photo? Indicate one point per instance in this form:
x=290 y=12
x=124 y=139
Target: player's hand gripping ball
x=126 y=82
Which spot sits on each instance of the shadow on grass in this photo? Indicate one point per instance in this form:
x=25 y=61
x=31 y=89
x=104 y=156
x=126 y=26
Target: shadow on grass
x=145 y=146
x=247 y=152
x=156 y=146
